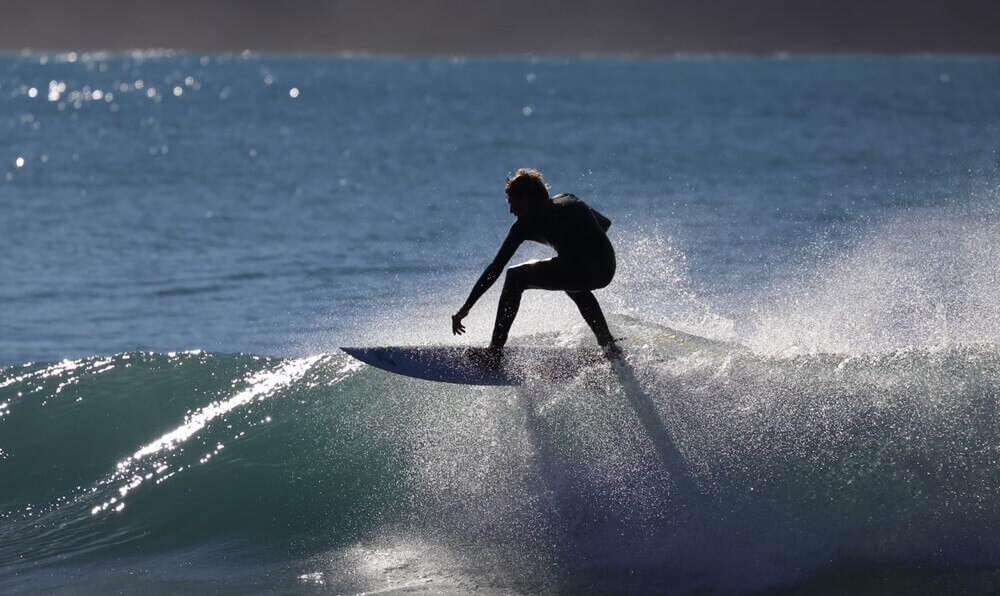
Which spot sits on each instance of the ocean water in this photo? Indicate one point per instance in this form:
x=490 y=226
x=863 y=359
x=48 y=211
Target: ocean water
x=808 y=276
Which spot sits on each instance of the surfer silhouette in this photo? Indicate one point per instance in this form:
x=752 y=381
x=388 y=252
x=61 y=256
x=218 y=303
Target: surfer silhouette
x=584 y=261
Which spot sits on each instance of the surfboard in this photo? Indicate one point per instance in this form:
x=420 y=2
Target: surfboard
x=449 y=364
x=521 y=364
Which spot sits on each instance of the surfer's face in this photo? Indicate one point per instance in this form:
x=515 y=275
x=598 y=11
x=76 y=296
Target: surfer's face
x=517 y=205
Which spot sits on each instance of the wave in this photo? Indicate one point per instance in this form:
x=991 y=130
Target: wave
x=696 y=465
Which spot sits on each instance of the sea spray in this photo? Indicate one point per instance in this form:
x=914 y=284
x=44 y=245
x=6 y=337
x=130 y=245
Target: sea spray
x=929 y=277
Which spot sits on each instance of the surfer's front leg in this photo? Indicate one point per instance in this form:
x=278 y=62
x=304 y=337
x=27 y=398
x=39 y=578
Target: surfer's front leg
x=514 y=285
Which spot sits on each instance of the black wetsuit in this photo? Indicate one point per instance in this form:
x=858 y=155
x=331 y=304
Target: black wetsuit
x=584 y=261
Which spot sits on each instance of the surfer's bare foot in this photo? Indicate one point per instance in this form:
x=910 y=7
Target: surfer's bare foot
x=485 y=357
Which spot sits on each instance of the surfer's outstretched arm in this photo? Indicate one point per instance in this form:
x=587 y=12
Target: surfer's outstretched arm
x=514 y=239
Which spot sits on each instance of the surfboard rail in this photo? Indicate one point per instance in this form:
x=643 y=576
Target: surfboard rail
x=449 y=364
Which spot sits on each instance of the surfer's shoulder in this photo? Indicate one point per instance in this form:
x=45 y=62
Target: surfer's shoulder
x=565 y=198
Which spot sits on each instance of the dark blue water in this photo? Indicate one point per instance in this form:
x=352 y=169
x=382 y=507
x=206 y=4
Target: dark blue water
x=831 y=220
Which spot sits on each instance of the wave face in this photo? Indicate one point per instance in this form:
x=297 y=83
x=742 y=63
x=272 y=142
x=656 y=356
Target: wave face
x=704 y=467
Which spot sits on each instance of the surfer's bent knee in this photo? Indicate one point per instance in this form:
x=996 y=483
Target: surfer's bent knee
x=604 y=279
x=514 y=279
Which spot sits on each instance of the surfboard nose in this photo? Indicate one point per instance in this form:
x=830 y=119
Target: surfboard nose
x=378 y=357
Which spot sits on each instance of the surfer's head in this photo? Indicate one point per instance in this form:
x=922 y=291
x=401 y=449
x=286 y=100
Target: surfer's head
x=525 y=189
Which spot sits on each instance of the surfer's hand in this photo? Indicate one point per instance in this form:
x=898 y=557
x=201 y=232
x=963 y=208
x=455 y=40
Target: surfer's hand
x=457 y=328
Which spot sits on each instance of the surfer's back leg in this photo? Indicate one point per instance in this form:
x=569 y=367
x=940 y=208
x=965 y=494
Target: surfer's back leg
x=593 y=315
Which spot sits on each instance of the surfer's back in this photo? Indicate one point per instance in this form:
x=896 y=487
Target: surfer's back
x=570 y=226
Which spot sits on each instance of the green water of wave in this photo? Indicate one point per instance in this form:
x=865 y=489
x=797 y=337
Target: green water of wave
x=331 y=475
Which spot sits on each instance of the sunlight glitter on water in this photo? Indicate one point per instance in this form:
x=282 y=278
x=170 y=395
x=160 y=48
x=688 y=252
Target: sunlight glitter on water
x=261 y=385
x=132 y=472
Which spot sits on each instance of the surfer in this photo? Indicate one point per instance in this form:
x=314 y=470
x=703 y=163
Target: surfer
x=584 y=261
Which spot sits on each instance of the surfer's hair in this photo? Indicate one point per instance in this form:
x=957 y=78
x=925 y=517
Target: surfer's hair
x=526 y=184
